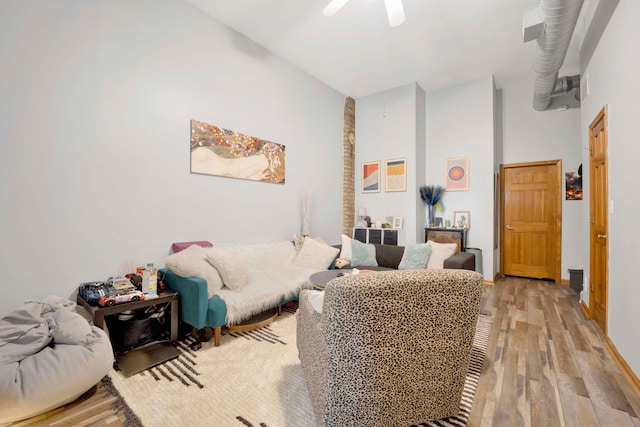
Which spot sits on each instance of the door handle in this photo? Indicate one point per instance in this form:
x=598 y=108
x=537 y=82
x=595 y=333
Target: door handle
x=601 y=236
x=508 y=227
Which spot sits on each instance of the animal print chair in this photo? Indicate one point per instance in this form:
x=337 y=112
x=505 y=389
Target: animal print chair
x=388 y=348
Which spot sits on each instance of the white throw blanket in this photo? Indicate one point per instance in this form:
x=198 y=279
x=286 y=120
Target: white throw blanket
x=272 y=278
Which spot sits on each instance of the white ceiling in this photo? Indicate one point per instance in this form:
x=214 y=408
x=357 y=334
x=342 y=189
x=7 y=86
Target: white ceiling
x=442 y=42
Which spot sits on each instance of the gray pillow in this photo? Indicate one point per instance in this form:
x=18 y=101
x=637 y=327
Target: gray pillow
x=362 y=254
x=415 y=257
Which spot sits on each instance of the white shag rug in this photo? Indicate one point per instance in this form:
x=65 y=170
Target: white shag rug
x=252 y=379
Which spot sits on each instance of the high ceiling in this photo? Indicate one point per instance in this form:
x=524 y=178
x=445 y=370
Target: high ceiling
x=442 y=42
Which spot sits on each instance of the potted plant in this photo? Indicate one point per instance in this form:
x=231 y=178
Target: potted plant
x=431 y=195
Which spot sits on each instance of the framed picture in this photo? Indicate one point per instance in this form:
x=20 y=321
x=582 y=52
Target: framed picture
x=397 y=222
x=461 y=219
x=438 y=222
x=227 y=153
x=456 y=174
x=371 y=177
x=395 y=175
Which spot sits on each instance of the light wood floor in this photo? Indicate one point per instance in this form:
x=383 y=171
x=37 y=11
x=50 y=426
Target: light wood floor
x=546 y=366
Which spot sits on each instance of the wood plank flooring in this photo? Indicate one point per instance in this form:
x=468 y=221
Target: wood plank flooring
x=546 y=366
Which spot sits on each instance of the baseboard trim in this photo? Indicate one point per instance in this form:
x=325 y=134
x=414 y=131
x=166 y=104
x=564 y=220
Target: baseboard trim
x=585 y=310
x=630 y=376
x=489 y=282
x=565 y=282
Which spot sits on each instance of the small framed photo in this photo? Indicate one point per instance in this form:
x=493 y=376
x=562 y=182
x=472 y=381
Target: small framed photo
x=397 y=222
x=461 y=219
x=438 y=222
x=371 y=177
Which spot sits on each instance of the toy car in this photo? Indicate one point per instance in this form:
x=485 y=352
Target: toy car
x=121 y=298
x=92 y=292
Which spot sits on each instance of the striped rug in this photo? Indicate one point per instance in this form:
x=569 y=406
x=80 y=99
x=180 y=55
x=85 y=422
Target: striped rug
x=252 y=379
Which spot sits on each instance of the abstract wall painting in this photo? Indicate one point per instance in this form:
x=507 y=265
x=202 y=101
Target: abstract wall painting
x=456 y=174
x=371 y=177
x=395 y=175
x=223 y=152
x=573 y=182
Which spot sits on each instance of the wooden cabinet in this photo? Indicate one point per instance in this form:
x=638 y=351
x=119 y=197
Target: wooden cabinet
x=447 y=235
x=381 y=236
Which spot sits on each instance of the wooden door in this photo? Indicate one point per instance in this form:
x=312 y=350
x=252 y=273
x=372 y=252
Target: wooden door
x=598 y=218
x=531 y=212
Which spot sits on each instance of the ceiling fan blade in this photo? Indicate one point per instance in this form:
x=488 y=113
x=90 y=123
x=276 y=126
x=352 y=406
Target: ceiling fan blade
x=333 y=7
x=395 y=12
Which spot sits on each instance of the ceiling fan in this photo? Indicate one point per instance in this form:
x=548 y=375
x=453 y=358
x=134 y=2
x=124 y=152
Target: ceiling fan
x=395 y=12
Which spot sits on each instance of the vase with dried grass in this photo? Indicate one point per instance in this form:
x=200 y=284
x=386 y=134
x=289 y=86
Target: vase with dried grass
x=431 y=195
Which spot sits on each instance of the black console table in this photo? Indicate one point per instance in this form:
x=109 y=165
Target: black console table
x=447 y=235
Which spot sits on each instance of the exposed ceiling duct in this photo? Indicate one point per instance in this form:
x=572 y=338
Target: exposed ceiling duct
x=552 y=25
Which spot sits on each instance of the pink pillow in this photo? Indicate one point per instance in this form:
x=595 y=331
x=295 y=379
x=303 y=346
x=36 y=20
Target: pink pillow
x=181 y=246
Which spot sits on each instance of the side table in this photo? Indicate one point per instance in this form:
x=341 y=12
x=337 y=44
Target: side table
x=98 y=313
x=320 y=279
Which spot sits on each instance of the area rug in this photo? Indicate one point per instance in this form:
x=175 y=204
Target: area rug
x=252 y=379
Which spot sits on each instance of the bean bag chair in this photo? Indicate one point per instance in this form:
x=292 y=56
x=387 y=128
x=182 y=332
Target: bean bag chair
x=49 y=356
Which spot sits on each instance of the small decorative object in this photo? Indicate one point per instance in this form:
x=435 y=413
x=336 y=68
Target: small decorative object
x=395 y=175
x=447 y=223
x=371 y=177
x=431 y=195
x=461 y=219
x=456 y=171
x=362 y=212
x=223 y=152
x=438 y=222
x=397 y=222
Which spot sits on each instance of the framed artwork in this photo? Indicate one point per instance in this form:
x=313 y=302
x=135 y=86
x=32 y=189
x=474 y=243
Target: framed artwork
x=573 y=189
x=223 y=152
x=395 y=175
x=456 y=174
x=371 y=177
x=397 y=222
x=461 y=219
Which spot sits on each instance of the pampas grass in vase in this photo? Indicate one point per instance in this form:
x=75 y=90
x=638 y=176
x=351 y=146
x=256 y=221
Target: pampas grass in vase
x=431 y=195
x=306 y=213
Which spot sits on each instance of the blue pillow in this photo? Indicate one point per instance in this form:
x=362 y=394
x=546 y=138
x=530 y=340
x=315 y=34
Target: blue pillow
x=415 y=257
x=363 y=254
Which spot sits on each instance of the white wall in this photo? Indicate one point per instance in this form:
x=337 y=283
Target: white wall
x=460 y=122
x=530 y=136
x=386 y=128
x=94 y=130
x=613 y=81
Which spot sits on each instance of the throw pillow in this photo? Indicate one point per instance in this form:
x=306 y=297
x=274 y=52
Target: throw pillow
x=315 y=255
x=345 y=252
x=230 y=267
x=363 y=254
x=440 y=252
x=192 y=262
x=415 y=256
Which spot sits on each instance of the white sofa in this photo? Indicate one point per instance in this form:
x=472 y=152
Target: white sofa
x=226 y=285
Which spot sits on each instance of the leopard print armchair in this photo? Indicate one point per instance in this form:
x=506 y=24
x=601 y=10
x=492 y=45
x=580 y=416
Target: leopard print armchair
x=389 y=348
